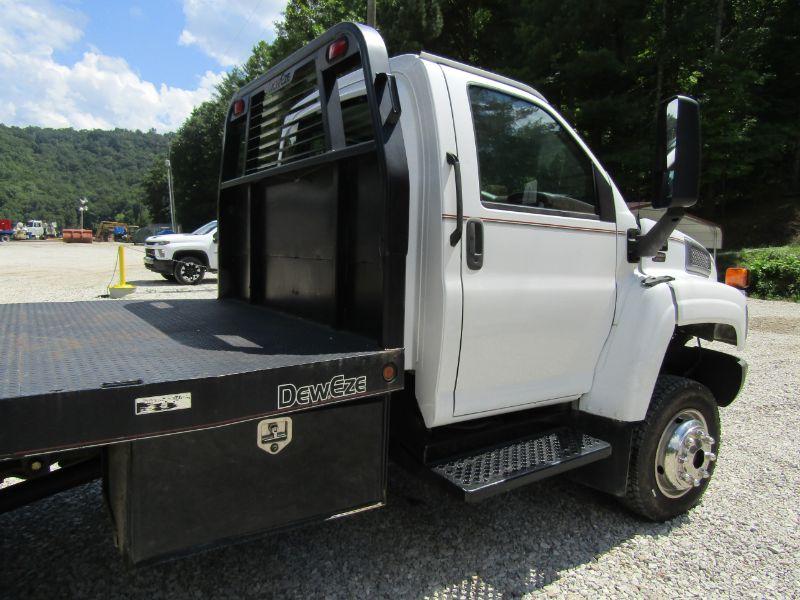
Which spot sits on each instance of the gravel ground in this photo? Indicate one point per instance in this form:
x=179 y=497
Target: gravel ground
x=553 y=539
x=52 y=271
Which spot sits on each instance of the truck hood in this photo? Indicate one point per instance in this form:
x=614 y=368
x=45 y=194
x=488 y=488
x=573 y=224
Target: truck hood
x=171 y=237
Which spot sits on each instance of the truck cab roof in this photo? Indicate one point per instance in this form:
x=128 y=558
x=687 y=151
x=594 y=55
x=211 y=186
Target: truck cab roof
x=454 y=64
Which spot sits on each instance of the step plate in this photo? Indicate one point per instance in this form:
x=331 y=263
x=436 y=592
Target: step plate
x=524 y=461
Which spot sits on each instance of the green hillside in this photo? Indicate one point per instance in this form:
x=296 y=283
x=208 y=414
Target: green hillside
x=43 y=172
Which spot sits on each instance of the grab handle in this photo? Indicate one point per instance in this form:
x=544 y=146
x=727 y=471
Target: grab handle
x=452 y=160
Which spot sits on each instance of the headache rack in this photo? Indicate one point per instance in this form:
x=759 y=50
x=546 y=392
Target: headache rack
x=313 y=205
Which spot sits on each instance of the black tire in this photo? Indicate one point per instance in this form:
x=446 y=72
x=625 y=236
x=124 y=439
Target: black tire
x=644 y=495
x=168 y=276
x=189 y=270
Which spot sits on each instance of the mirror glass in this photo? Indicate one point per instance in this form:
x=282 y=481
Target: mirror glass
x=671 y=132
x=677 y=177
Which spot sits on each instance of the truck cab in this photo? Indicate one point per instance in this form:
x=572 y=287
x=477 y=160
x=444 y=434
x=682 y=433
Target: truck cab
x=36 y=229
x=538 y=301
x=183 y=257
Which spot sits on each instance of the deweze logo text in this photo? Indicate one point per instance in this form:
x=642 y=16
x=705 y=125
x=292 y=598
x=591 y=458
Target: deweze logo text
x=338 y=387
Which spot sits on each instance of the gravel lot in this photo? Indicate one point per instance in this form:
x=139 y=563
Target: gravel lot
x=553 y=539
x=52 y=271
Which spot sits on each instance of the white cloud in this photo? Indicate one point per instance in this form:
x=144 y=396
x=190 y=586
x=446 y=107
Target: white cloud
x=227 y=31
x=98 y=91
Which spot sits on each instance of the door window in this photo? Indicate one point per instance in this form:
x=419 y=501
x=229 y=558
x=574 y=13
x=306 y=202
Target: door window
x=526 y=160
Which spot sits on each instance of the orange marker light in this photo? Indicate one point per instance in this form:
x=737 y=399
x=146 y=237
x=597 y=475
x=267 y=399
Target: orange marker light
x=389 y=371
x=737 y=277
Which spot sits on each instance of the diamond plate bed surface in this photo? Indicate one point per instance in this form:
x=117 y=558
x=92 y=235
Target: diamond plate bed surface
x=72 y=346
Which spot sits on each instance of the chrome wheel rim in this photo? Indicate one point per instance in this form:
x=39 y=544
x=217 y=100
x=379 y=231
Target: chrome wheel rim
x=684 y=454
x=190 y=271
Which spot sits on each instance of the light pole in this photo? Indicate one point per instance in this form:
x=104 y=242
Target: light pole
x=82 y=208
x=371 y=13
x=171 y=196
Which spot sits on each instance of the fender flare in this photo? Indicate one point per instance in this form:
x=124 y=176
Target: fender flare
x=202 y=255
x=706 y=302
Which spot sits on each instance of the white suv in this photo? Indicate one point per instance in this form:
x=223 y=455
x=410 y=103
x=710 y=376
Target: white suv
x=183 y=257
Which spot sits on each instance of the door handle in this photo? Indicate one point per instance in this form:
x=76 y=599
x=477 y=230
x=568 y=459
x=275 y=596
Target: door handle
x=474 y=244
x=455 y=236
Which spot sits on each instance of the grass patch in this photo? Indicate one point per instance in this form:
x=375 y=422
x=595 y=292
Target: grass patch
x=774 y=272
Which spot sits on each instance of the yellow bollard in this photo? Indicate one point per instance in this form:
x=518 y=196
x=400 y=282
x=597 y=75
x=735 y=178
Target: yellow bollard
x=122 y=288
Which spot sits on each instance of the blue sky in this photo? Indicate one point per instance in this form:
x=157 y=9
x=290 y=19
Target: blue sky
x=135 y=64
x=146 y=34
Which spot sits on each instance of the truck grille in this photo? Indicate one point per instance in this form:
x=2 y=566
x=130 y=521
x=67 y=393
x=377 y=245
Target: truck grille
x=698 y=260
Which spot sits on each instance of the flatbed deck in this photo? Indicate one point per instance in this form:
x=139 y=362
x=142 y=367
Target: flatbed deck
x=78 y=374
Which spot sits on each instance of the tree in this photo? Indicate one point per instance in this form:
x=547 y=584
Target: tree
x=43 y=172
x=605 y=65
x=155 y=193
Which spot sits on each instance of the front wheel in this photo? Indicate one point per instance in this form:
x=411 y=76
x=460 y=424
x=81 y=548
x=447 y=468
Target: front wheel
x=673 y=451
x=189 y=270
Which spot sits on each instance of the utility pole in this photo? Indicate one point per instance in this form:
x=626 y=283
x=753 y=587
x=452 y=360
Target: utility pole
x=371 y=13
x=171 y=196
x=82 y=208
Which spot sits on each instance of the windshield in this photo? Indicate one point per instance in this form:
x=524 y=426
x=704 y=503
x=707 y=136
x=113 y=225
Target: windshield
x=207 y=228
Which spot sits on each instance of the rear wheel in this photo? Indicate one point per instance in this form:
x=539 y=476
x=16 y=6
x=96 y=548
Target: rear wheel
x=189 y=270
x=673 y=450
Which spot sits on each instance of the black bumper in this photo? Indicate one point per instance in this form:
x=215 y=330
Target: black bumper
x=158 y=266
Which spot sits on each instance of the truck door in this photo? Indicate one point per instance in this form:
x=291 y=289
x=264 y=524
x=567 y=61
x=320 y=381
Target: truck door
x=538 y=251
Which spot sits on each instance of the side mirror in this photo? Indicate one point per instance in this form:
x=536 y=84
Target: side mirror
x=677 y=173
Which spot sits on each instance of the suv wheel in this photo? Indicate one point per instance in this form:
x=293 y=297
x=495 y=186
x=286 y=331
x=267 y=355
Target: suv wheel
x=673 y=450
x=189 y=270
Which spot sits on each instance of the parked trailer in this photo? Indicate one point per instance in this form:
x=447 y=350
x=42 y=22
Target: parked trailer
x=413 y=237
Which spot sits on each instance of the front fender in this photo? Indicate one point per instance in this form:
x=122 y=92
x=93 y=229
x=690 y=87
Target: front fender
x=702 y=301
x=644 y=323
x=629 y=364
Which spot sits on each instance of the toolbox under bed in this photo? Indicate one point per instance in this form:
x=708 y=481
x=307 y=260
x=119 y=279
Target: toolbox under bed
x=78 y=374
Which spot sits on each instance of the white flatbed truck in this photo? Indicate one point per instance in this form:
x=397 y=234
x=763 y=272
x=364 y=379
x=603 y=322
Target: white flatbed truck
x=415 y=256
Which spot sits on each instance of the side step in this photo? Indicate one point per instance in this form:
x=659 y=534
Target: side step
x=502 y=468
